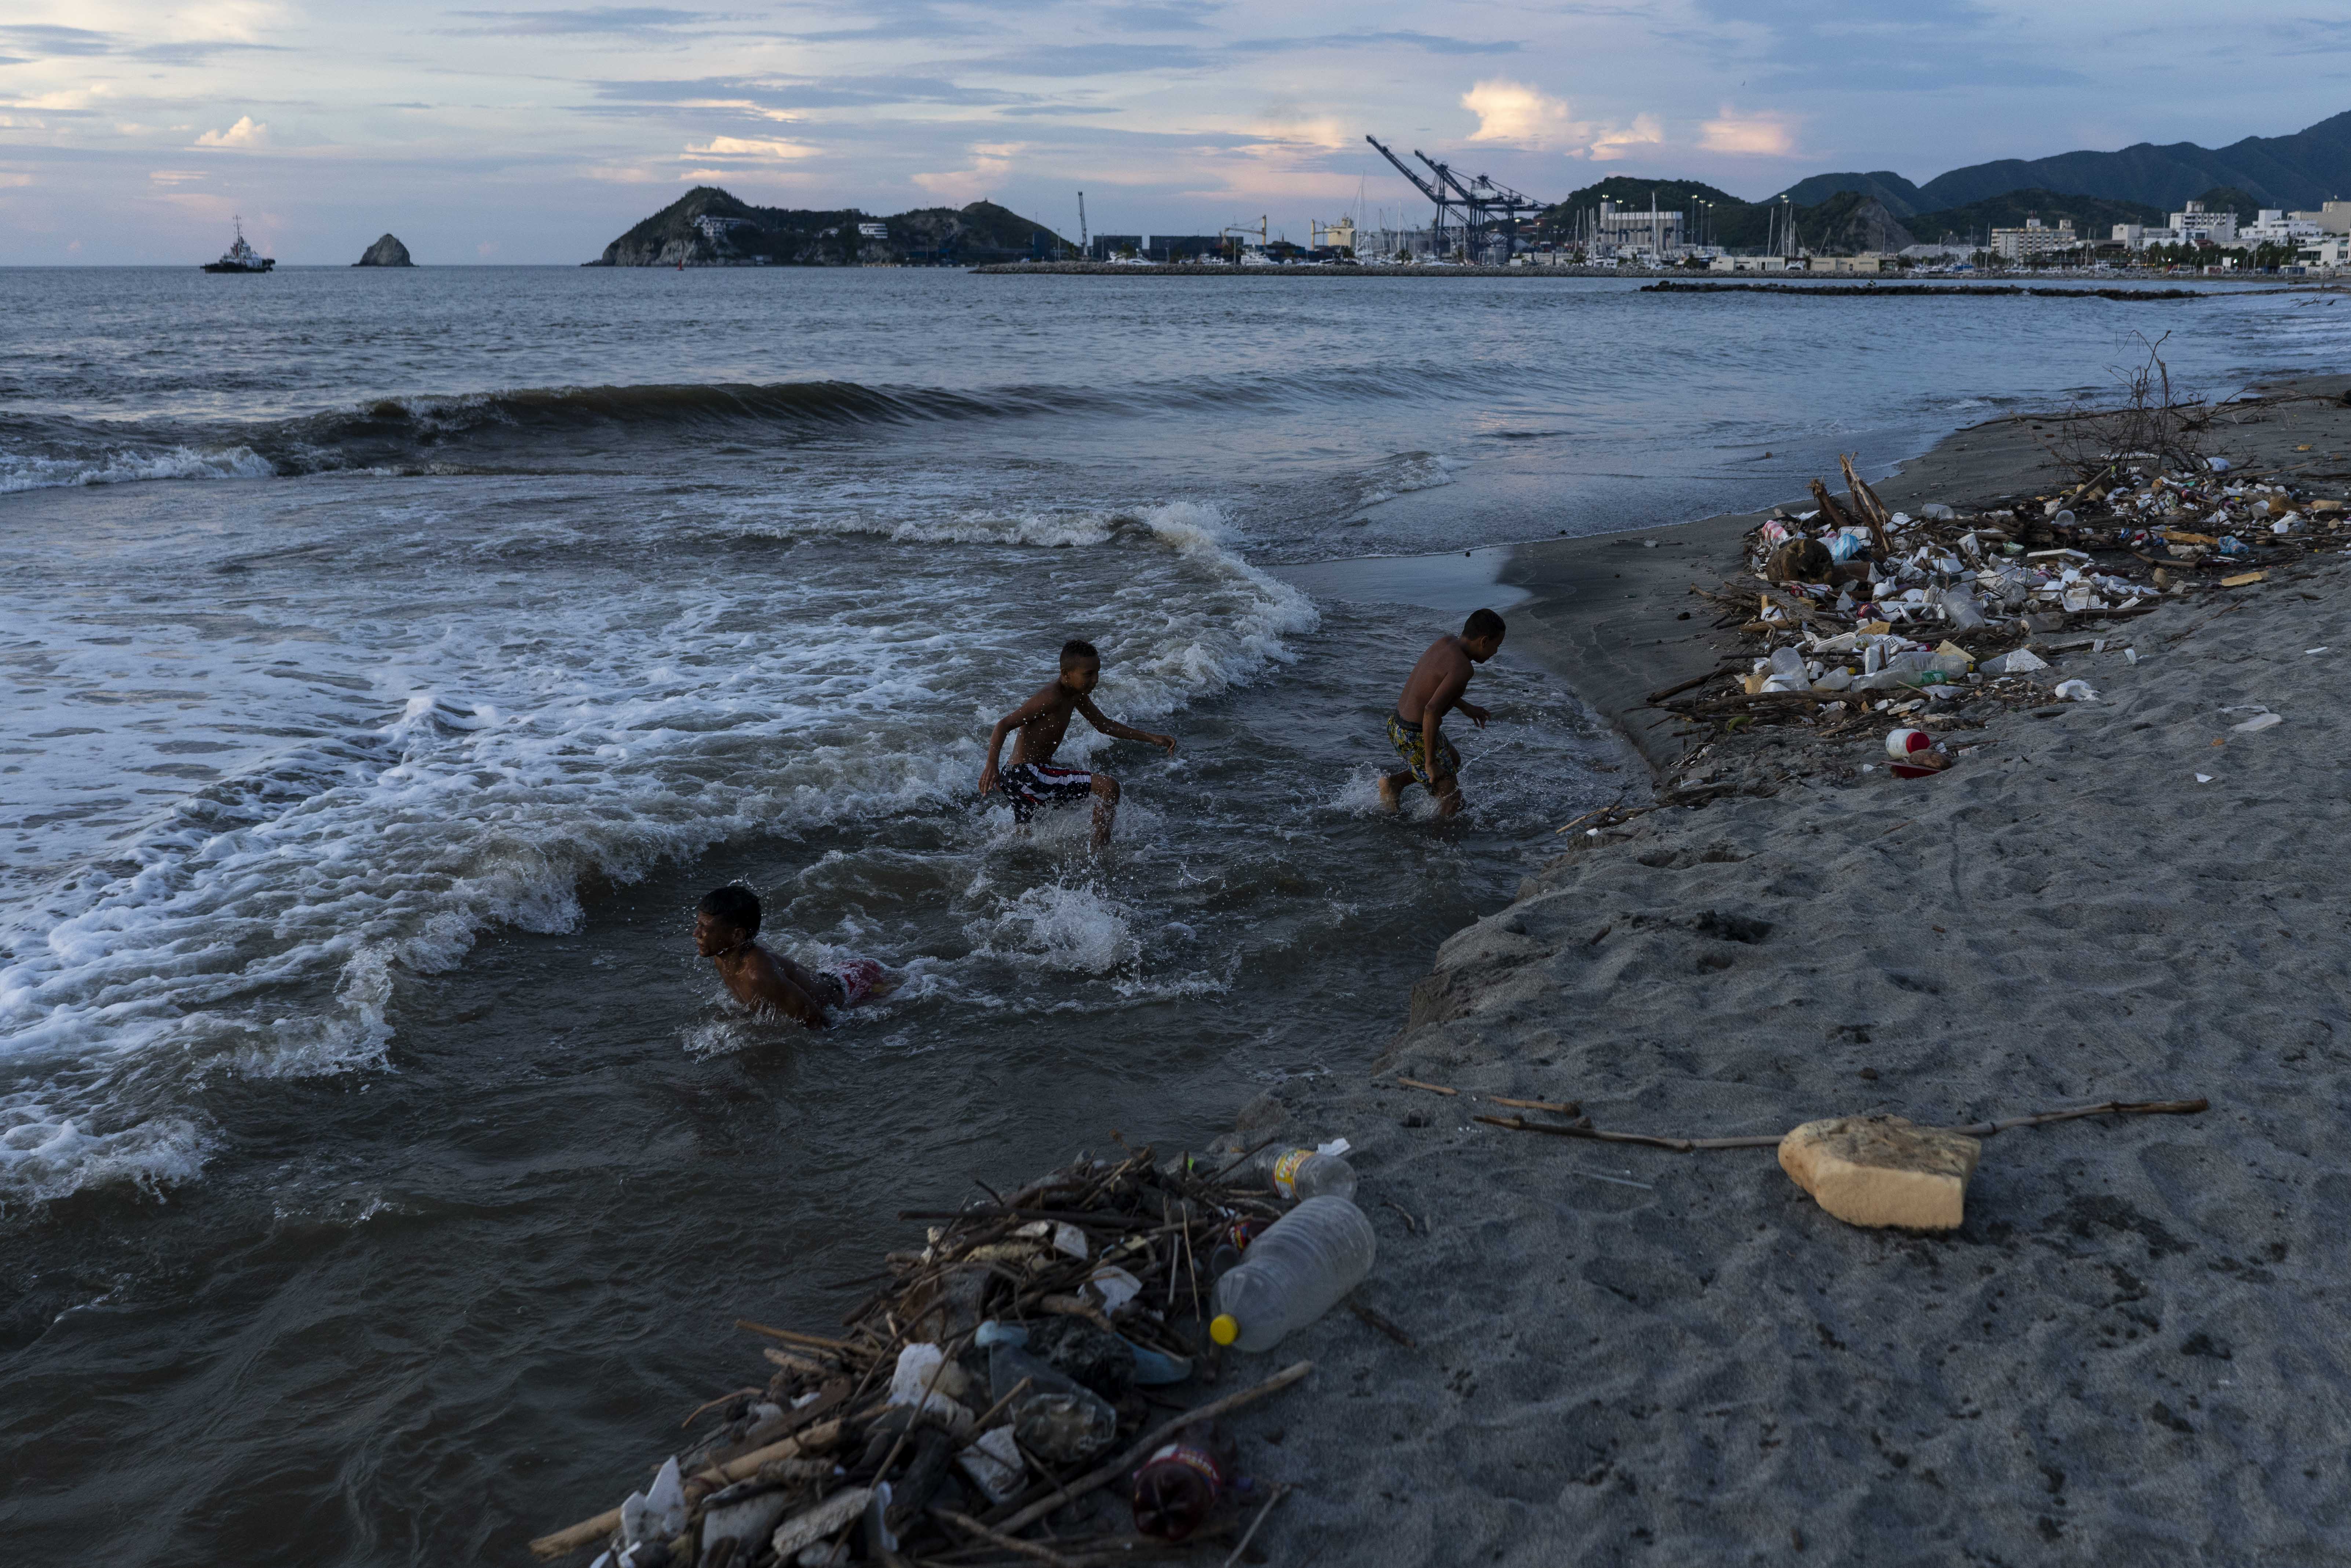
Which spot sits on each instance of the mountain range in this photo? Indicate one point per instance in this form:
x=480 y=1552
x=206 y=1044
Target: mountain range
x=2296 y=172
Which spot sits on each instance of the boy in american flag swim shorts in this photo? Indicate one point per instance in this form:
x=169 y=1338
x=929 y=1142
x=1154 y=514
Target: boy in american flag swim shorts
x=1032 y=779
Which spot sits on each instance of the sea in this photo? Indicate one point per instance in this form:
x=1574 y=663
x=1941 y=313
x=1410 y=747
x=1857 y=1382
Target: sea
x=393 y=658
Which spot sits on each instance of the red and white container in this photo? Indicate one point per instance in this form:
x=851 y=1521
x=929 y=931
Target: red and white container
x=1901 y=742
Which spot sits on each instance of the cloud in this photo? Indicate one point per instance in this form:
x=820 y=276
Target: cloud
x=10 y=178
x=990 y=164
x=1430 y=42
x=246 y=132
x=1516 y=115
x=1514 y=112
x=1764 y=135
x=749 y=147
x=56 y=41
x=1645 y=132
x=174 y=176
x=582 y=21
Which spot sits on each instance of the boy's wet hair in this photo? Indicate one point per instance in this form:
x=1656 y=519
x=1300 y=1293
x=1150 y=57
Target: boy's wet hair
x=1077 y=650
x=734 y=904
x=1481 y=624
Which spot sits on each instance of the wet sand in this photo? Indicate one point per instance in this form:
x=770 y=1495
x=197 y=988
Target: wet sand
x=2134 y=1348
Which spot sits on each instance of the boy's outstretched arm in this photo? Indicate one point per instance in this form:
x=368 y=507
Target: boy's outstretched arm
x=1118 y=731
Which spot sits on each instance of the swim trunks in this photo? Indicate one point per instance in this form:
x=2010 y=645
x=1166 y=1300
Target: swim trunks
x=1413 y=747
x=1029 y=785
x=856 y=977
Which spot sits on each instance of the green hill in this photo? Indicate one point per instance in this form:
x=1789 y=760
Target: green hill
x=710 y=227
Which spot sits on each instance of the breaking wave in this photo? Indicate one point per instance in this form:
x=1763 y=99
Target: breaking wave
x=536 y=428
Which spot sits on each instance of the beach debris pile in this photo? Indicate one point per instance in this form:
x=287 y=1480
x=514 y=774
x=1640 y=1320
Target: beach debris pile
x=1025 y=1358
x=1866 y=618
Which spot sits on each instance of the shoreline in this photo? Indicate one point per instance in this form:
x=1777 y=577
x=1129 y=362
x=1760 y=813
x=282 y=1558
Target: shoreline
x=1617 y=1349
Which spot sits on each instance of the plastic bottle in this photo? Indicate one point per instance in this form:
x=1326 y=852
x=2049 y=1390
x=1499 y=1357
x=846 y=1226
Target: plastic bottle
x=1294 y=1273
x=1294 y=1173
x=1175 y=1490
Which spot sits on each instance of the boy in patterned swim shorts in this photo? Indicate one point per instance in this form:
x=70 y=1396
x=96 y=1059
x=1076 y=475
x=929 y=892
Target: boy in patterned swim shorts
x=724 y=924
x=1435 y=685
x=1032 y=780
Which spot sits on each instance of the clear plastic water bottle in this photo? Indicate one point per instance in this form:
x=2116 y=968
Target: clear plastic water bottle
x=1295 y=1173
x=1296 y=1271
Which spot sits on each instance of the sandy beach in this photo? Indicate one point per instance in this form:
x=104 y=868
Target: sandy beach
x=2132 y=1351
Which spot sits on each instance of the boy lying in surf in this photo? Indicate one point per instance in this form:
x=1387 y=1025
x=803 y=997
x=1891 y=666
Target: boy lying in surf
x=1437 y=684
x=724 y=924
x=1032 y=780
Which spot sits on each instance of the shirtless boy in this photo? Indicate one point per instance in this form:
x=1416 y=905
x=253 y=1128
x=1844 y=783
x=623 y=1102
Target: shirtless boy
x=1031 y=781
x=724 y=924
x=1436 y=685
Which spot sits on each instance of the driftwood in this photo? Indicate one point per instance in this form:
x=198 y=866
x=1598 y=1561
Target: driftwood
x=1871 y=507
x=1585 y=1129
x=1149 y=1220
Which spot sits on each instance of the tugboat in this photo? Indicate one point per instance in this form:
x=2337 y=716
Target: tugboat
x=241 y=257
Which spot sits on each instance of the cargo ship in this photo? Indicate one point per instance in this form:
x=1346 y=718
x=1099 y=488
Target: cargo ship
x=241 y=257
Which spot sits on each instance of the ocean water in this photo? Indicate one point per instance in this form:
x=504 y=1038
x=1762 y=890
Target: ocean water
x=393 y=658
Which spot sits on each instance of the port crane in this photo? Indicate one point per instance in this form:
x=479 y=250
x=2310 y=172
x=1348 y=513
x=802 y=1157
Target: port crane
x=1486 y=199
x=1443 y=226
x=1480 y=201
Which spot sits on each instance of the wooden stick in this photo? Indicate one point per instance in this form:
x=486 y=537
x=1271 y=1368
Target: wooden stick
x=1679 y=1145
x=1432 y=1088
x=997 y=1538
x=1974 y=1129
x=2109 y=1108
x=789 y=1337
x=587 y=1532
x=1277 y=1492
x=1144 y=1449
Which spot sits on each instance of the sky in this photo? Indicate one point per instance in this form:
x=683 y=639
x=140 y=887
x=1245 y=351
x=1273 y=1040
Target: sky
x=135 y=133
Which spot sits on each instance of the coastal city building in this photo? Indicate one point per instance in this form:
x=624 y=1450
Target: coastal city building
x=1751 y=263
x=2138 y=237
x=2273 y=226
x=715 y=228
x=2035 y=239
x=1110 y=247
x=1866 y=262
x=873 y=231
x=2193 y=223
x=1617 y=229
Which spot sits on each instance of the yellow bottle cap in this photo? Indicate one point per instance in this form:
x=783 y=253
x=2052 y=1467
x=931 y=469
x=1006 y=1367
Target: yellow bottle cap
x=1223 y=1329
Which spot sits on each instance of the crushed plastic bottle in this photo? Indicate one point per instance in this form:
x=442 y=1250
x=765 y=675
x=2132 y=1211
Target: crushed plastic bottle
x=1294 y=1173
x=1058 y=1419
x=1296 y=1271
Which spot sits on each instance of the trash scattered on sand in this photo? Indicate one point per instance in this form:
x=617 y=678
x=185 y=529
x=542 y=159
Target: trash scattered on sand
x=1001 y=1376
x=1864 y=619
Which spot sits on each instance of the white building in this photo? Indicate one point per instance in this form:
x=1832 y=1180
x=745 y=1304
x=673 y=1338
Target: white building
x=1750 y=264
x=1617 y=228
x=2195 y=224
x=2035 y=239
x=713 y=228
x=2273 y=226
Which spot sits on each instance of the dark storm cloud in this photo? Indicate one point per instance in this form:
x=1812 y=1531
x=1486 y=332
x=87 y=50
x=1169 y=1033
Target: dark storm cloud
x=584 y=21
x=1431 y=43
x=790 y=93
x=55 y=43
x=51 y=42
x=1884 y=46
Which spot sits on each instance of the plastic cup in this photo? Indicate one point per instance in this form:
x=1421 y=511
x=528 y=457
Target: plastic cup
x=1901 y=742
